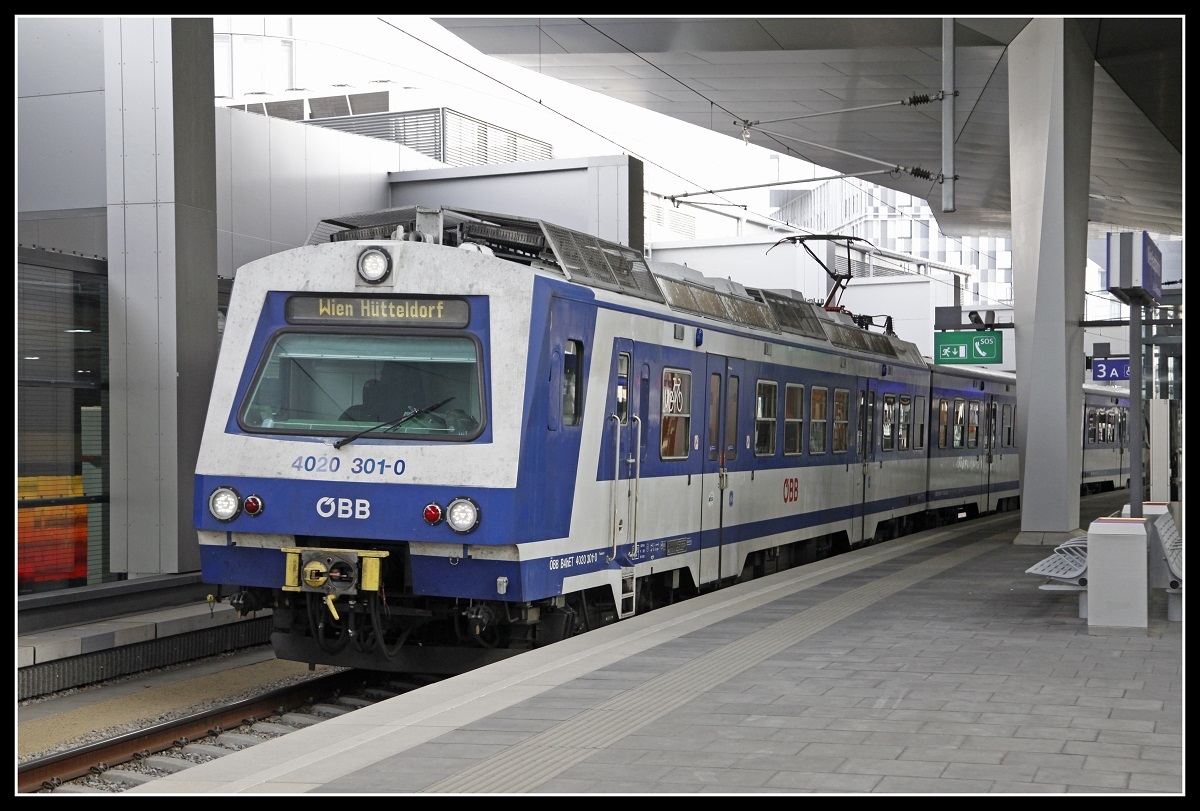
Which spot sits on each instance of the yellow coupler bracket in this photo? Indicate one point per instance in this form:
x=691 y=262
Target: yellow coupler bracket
x=369 y=566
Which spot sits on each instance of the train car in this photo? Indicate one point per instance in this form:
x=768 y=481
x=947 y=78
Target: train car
x=974 y=465
x=1106 y=450
x=440 y=437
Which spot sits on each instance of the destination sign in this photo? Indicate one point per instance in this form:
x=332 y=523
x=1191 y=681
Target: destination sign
x=378 y=311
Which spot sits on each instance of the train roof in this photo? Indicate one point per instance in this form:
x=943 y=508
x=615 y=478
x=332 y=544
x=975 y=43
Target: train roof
x=594 y=262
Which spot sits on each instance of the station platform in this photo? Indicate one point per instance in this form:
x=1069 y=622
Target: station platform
x=927 y=664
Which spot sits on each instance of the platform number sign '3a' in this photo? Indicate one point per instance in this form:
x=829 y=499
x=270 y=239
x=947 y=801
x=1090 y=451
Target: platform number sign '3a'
x=1110 y=369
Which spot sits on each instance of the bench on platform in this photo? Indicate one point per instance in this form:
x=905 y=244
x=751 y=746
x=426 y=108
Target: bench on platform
x=1066 y=570
x=1171 y=542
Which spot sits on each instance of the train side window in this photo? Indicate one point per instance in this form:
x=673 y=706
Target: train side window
x=841 y=419
x=992 y=426
x=1110 y=427
x=919 y=433
x=1124 y=426
x=676 y=414
x=943 y=421
x=731 y=419
x=960 y=421
x=887 y=442
x=1006 y=436
x=973 y=424
x=1091 y=426
x=572 y=399
x=793 y=419
x=904 y=425
x=622 y=393
x=818 y=419
x=714 y=416
x=766 y=413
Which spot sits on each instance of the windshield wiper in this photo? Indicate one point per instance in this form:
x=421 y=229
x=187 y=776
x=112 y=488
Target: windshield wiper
x=396 y=423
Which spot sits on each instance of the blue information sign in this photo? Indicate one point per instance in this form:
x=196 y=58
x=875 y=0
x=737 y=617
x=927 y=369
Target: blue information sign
x=1110 y=368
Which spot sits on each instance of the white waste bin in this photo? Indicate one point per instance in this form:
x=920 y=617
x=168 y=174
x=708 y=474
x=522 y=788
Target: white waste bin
x=1118 y=583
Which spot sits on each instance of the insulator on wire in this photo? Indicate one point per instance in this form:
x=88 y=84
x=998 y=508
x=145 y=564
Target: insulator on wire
x=922 y=174
x=918 y=98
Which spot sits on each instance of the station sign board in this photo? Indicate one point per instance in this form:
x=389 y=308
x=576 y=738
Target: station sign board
x=968 y=347
x=1110 y=369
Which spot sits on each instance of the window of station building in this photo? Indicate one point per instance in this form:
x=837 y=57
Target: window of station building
x=841 y=419
x=62 y=423
x=818 y=419
x=793 y=419
x=676 y=413
x=919 y=431
x=887 y=442
x=766 y=412
x=973 y=424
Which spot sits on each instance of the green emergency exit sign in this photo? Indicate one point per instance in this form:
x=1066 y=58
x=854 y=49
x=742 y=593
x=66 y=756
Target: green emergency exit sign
x=975 y=347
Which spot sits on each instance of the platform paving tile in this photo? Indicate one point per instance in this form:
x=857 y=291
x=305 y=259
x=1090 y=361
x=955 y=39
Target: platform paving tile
x=821 y=782
x=1008 y=744
x=1098 y=781
x=561 y=785
x=1057 y=733
x=947 y=754
x=1131 y=750
x=895 y=784
x=749 y=747
x=899 y=768
x=818 y=735
x=1011 y=787
x=1140 y=737
x=639 y=740
x=870 y=725
x=1047 y=759
x=1138 y=765
x=1171 y=784
x=974 y=729
x=790 y=763
x=732 y=779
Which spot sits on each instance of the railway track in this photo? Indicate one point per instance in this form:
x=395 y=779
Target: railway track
x=136 y=758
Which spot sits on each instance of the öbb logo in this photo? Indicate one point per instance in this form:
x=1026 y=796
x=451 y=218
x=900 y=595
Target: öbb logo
x=343 y=508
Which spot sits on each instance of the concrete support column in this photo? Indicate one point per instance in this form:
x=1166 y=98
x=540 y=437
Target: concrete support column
x=161 y=202
x=1051 y=75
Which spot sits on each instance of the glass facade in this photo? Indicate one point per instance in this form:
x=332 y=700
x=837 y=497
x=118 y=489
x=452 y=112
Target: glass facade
x=62 y=422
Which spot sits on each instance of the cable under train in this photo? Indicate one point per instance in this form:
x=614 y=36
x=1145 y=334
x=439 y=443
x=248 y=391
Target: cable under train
x=439 y=437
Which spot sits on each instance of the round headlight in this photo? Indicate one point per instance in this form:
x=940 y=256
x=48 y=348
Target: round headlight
x=224 y=503
x=462 y=514
x=374 y=265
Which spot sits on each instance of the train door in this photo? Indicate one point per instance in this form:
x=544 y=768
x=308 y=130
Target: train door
x=721 y=449
x=869 y=466
x=992 y=456
x=627 y=451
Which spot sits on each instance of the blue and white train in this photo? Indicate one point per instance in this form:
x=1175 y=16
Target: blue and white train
x=440 y=437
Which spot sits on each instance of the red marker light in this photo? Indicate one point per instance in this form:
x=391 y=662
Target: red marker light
x=433 y=514
x=253 y=505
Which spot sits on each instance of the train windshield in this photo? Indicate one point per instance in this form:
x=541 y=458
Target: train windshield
x=337 y=383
